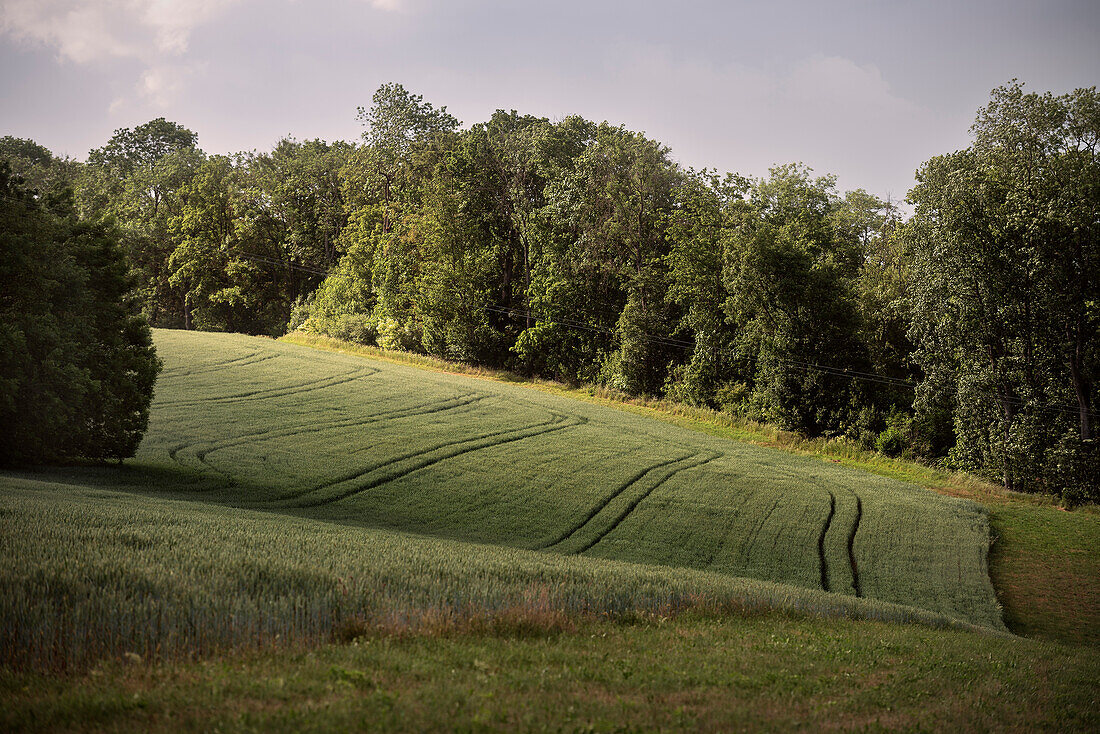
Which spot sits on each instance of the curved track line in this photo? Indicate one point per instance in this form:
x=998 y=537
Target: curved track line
x=856 y=584
x=248 y=359
x=729 y=529
x=361 y=472
x=277 y=392
x=607 y=500
x=557 y=423
x=824 y=563
x=750 y=539
x=630 y=508
x=436 y=406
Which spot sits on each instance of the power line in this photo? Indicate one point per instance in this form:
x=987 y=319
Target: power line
x=690 y=345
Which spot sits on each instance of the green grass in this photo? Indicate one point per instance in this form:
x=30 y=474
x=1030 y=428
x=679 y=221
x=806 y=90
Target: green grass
x=379 y=492
x=90 y=573
x=490 y=557
x=334 y=437
x=772 y=672
x=1044 y=563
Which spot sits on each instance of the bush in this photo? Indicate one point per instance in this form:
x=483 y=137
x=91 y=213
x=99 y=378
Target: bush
x=891 y=442
x=360 y=328
x=1074 y=469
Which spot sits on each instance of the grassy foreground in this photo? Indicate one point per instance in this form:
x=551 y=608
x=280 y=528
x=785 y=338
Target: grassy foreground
x=771 y=672
x=92 y=573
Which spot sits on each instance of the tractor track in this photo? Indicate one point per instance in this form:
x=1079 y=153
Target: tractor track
x=720 y=546
x=856 y=584
x=246 y=360
x=609 y=498
x=750 y=539
x=822 y=560
x=436 y=406
x=447 y=450
x=630 y=508
x=275 y=392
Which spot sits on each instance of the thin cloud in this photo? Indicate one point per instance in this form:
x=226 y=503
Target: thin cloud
x=85 y=31
x=153 y=32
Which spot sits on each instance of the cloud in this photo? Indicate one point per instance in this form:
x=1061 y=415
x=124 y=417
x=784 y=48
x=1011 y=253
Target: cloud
x=836 y=83
x=830 y=112
x=153 y=32
x=84 y=31
x=387 y=5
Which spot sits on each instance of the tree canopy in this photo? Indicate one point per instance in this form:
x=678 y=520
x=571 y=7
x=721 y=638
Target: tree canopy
x=78 y=365
x=584 y=252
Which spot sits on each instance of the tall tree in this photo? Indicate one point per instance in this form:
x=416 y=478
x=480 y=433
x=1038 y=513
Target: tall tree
x=399 y=127
x=699 y=231
x=135 y=180
x=1006 y=282
x=791 y=276
x=77 y=357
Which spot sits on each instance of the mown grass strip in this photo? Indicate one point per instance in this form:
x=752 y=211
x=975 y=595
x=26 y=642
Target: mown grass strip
x=762 y=672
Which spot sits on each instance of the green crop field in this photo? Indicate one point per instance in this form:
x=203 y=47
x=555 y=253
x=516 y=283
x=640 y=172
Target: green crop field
x=284 y=493
x=275 y=426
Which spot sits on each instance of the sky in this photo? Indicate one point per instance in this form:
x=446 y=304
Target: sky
x=862 y=89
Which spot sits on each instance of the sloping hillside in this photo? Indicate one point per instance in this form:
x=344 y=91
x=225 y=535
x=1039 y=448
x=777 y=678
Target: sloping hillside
x=269 y=425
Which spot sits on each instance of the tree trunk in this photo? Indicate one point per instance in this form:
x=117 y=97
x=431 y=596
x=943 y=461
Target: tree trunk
x=187 y=313
x=1010 y=414
x=1083 y=390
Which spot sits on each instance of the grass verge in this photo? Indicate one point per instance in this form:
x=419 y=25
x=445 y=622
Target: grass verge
x=770 y=672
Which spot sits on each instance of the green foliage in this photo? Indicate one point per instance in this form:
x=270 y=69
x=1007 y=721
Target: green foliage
x=1005 y=282
x=791 y=275
x=78 y=360
x=583 y=252
x=52 y=179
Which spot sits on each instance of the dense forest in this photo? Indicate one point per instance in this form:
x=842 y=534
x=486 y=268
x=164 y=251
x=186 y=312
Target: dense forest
x=966 y=334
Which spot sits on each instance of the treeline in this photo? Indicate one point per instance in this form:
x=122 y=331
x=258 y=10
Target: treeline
x=968 y=334
x=77 y=364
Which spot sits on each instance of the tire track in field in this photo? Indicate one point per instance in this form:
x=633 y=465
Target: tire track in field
x=750 y=539
x=637 y=501
x=822 y=560
x=248 y=359
x=277 y=392
x=422 y=460
x=435 y=406
x=609 y=498
x=729 y=529
x=856 y=584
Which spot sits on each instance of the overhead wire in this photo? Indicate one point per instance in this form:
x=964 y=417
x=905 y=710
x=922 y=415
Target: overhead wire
x=690 y=345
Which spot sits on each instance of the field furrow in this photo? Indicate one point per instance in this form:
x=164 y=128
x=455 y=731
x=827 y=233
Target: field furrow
x=646 y=489
x=210 y=447
x=457 y=457
x=273 y=392
x=247 y=360
x=403 y=466
x=616 y=492
x=821 y=542
x=856 y=586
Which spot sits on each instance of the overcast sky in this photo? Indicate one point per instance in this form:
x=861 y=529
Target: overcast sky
x=862 y=89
